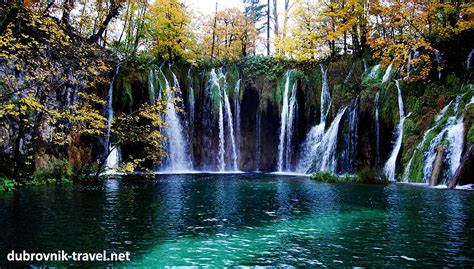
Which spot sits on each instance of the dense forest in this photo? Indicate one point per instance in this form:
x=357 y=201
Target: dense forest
x=227 y=133
x=81 y=80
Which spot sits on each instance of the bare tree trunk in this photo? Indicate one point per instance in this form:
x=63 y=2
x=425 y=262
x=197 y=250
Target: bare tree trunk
x=214 y=34
x=464 y=170
x=438 y=166
x=113 y=12
x=139 y=30
x=128 y=17
x=68 y=5
x=285 y=20
x=268 y=27
x=275 y=20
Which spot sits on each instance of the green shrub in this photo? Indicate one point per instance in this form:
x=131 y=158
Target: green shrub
x=57 y=171
x=262 y=65
x=329 y=177
x=371 y=176
x=6 y=184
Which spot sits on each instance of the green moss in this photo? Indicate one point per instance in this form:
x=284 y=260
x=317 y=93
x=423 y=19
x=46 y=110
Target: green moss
x=416 y=172
x=470 y=136
x=409 y=127
x=126 y=93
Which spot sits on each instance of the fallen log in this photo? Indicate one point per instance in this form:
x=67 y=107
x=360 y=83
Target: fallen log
x=438 y=166
x=464 y=170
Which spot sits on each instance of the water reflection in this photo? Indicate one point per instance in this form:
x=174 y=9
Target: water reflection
x=248 y=219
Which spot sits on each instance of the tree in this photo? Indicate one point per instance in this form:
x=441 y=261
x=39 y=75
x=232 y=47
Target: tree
x=113 y=11
x=233 y=35
x=141 y=127
x=169 y=29
x=407 y=32
x=42 y=70
x=51 y=98
x=255 y=13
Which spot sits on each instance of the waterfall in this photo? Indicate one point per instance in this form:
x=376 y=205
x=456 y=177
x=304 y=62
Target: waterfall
x=325 y=158
x=377 y=129
x=348 y=154
x=374 y=70
x=406 y=173
x=230 y=126
x=353 y=135
x=453 y=133
x=430 y=154
x=113 y=159
x=258 y=131
x=286 y=126
x=314 y=139
x=310 y=147
x=386 y=76
x=179 y=158
x=325 y=95
x=390 y=165
x=455 y=143
x=468 y=61
x=346 y=80
x=290 y=124
x=151 y=88
x=439 y=58
x=114 y=156
x=221 y=157
x=214 y=81
x=191 y=104
x=225 y=114
x=237 y=117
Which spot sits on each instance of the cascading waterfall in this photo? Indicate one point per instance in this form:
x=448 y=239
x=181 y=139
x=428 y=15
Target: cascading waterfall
x=390 y=165
x=468 y=61
x=374 y=70
x=286 y=126
x=113 y=159
x=310 y=147
x=151 y=87
x=191 y=104
x=315 y=136
x=289 y=129
x=237 y=117
x=455 y=144
x=353 y=136
x=351 y=71
x=178 y=147
x=224 y=111
x=453 y=134
x=406 y=173
x=325 y=95
x=377 y=129
x=326 y=150
x=114 y=156
x=221 y=157
x=386 y=75
x=230 y=126
x=258 y=131
x=439 y=58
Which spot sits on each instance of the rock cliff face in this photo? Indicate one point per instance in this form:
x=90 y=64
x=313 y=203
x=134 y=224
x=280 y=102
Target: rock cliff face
x=365 y=133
